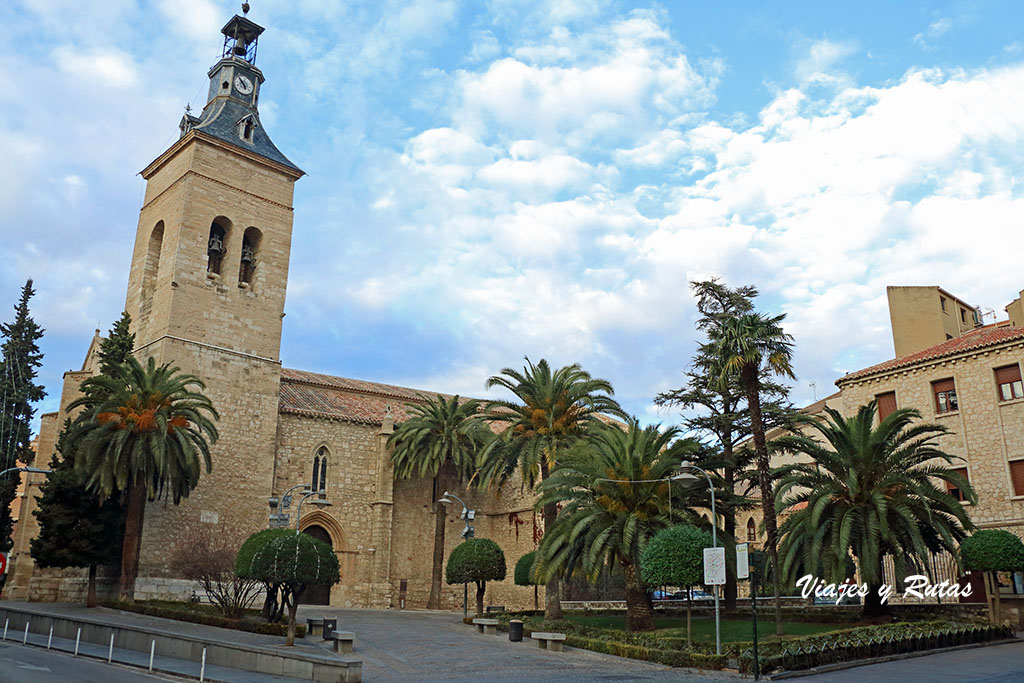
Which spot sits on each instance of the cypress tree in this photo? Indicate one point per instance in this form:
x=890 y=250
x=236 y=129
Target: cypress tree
x=18 y=391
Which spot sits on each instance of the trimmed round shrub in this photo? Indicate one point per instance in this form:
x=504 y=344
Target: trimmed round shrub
x=675 y=557
x=475 y=560
x=992 y=550
x=524 y=570
x=283 y=556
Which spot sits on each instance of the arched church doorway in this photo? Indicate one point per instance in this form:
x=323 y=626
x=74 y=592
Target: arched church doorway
x=317 y=595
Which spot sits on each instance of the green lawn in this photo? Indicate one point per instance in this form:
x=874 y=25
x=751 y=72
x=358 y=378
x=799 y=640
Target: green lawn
x=704 y=627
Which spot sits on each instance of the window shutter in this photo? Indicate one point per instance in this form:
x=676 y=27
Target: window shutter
x=886 y=404
x=943 y=385
x=950 y=488
x=1017 y=476
x=1010 y=373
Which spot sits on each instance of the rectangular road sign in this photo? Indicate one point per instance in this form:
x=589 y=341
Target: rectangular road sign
x=742 y=561
x=714 y=566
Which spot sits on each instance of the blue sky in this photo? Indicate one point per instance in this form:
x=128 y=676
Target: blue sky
x=490 y=180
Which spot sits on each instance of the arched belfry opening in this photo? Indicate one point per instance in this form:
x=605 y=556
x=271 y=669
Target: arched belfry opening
x=216 y=245
x=250 y=251
x=151 y=267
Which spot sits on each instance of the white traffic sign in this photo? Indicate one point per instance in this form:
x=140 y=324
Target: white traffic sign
x=742 y=561
x=714 y=566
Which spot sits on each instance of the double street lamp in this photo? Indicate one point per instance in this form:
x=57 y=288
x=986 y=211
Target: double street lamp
x=468 y=516
x=279 y=520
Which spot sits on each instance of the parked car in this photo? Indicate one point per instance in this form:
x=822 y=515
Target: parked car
x=696 y=593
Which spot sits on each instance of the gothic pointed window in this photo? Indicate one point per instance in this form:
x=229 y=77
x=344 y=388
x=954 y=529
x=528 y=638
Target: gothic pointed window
x=751 y=531
x=216 y=244
x=320 y=469
x=250 y=250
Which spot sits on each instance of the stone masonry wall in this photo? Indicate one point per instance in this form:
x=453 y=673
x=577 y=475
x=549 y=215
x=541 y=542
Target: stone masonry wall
x=987 y=432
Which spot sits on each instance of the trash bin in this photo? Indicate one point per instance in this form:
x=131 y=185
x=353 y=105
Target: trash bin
x=515 y=630
x=330 y=626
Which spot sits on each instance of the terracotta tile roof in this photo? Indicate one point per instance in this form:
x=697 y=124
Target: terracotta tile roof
x=351 y=400
x=990 y=335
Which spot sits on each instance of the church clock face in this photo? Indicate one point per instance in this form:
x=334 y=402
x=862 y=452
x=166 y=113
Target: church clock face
x=243 y=85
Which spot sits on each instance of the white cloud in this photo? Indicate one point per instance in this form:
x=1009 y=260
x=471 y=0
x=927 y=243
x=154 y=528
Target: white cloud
x=106 y=67
x=926 y=39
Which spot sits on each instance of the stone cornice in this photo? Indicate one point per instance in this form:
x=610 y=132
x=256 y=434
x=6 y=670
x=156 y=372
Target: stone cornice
x=923 y=365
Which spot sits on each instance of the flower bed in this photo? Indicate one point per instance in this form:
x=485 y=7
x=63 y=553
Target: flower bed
x=203 y=614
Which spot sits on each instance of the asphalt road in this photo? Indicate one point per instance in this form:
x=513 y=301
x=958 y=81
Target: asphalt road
x=20 y=664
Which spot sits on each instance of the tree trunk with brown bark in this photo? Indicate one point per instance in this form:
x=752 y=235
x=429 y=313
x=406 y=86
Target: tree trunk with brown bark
x=134 y=517
x=440 y=520
x=639 y=611
x=750 y=380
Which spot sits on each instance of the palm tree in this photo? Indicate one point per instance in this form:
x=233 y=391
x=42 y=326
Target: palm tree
x=553 y=411
x=614 y=493
x=753 y=346
x=870 y=491
x=440 y=440
x=143 y=432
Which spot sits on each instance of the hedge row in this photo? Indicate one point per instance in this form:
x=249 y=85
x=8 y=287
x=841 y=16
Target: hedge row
x=185 y=613
x=796 y=655
x=640 y=646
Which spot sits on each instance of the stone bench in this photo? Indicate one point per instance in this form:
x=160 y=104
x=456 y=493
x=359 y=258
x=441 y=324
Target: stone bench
x=487 y=626
x=549 y=641
x=344 y=641
x=314 y=626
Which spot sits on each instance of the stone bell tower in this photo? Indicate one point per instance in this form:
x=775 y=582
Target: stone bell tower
x=206 y=290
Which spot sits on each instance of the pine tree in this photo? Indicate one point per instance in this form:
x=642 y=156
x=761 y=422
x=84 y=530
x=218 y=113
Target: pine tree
x=18 y=391
x=75 y=529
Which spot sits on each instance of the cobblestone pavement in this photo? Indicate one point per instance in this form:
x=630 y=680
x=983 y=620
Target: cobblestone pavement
x=436 y=646
x=996 y=664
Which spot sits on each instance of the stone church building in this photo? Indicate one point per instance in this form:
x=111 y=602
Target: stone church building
x=206 y=292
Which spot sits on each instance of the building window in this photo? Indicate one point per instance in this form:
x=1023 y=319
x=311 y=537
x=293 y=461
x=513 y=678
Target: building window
x=945 y=396
x=942 y=302
x=216 y=245
x=320 y=469
x=1008 y=381
x=1017 y=477
x=952 y=489
x=886 y=404
x=963 y=315
x=250 y=249
x=751 y=530
x=151 y=267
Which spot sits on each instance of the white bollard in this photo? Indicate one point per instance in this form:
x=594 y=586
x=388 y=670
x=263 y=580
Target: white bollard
x=78 y=637
x=152 y=651
x=24 y=640
x=5 y=628
x=202 y=669
x=110 y=652
x=49 y=640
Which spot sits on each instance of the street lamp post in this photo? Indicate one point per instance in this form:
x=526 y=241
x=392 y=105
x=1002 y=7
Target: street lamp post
x=319 y=502
x=468 y=515
x=687 y=476
x=27 y=469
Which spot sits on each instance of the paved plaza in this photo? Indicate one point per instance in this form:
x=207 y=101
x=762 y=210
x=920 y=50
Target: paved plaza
x=437 y=646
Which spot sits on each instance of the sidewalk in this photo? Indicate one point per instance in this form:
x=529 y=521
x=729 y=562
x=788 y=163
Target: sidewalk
x=157 y=628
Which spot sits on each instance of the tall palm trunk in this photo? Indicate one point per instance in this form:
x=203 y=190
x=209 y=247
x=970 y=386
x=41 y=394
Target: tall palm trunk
x=553 y=589
x=639 y=612
x=434 y=601
x=729 y=517
x=749 y=378
x=132 y=539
